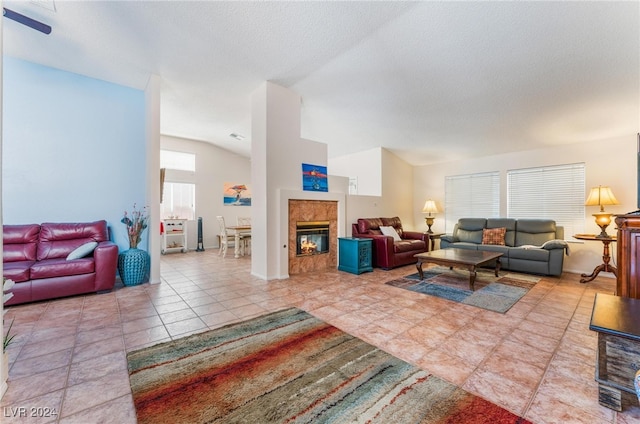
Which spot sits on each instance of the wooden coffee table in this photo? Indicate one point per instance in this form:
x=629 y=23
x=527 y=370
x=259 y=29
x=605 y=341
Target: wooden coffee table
x=460 y=258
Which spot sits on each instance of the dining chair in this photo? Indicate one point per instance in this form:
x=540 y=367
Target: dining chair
x=243 y=221
x=226 y=240
x=245 y=237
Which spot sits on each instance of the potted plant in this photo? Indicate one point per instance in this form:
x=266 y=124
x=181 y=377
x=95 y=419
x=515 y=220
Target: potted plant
x=133 y=264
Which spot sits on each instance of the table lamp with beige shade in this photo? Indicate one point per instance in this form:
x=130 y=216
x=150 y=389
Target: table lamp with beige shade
x=430 y=208
x=601 y=196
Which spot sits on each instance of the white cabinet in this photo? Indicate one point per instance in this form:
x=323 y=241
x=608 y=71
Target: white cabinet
x=174 y=236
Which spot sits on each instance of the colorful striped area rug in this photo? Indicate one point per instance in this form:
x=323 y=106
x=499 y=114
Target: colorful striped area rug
x=290 y=367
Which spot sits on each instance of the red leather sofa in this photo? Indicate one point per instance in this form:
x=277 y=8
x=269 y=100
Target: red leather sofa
x=35 y=257
x=388 y=254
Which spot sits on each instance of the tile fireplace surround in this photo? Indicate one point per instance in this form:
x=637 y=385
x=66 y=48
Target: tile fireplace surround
x=313 y=210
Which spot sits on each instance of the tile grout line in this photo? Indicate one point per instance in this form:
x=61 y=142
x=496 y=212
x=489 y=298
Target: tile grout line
x=554 y=354
x=117 y=303
x=502 y=340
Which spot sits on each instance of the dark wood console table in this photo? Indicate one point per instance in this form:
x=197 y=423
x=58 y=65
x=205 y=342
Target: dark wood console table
x=606 y=257
x=617 y=321
x=628 y=281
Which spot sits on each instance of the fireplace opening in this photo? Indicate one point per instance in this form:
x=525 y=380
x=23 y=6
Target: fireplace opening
x=312 y=238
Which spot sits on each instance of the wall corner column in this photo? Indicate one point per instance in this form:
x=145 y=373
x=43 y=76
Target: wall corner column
x=152 y=133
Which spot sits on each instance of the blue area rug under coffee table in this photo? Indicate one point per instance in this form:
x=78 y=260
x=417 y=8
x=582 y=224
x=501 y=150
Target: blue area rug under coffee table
x=496 y=294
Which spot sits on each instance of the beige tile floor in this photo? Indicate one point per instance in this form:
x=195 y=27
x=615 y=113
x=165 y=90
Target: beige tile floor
x=537 y=360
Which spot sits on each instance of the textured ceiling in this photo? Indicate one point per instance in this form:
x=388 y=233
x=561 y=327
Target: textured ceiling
x=429 y=81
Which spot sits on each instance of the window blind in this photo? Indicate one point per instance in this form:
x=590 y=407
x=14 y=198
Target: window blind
x=471 y=196
x=551 y=192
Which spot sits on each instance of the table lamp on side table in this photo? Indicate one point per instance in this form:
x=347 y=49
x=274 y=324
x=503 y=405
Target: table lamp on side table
x=601 y=196
x=430 y=208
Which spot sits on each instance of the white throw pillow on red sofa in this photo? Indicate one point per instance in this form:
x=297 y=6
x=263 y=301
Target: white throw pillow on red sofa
x=390 y=231
x=82 y=251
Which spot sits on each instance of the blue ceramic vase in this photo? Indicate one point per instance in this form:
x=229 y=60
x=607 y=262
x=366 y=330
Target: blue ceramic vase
x=133 y=266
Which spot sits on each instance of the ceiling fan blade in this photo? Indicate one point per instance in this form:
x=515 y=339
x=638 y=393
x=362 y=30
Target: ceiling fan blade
x=25 y=20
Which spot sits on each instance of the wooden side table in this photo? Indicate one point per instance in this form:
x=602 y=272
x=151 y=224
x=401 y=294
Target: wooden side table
x=431 y=240
x=606 y=241
x=617 y=321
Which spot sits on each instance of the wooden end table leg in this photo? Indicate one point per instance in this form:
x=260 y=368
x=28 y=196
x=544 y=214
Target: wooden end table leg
x=600 y=268
x=419 y=267
x=604 y=267
x=589 y=277
x=498 y=265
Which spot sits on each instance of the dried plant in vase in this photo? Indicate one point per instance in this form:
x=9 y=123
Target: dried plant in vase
x=136 y=222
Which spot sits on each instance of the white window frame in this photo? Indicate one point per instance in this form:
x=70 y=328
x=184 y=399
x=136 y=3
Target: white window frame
x=471 y=196
x=549 y=192
x=179 y=191
x=181 y=161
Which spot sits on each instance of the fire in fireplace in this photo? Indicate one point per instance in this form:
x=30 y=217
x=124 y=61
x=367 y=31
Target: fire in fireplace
x=312 y=237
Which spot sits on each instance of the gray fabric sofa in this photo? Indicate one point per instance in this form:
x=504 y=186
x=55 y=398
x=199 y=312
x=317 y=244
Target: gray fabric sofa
x=534 y=246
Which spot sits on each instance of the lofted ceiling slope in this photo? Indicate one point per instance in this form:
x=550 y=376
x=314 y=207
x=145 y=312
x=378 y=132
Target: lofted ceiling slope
x=430 y=81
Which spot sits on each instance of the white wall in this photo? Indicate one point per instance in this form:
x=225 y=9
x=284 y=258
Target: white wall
x=366 y=166
x=152 y=125
x=608 y=162
x=73 y=148
x=397 y=190
x=214 y=167
x=277 y=154
x=385 y=186
x=338 y=184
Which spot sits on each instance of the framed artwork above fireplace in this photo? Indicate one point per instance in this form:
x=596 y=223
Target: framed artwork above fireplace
x=314 y=178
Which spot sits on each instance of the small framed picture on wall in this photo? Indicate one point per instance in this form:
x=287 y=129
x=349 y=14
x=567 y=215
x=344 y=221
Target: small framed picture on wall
x=314 y=178
x=236 y=194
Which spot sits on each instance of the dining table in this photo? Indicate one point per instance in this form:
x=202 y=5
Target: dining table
x=238 y=231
